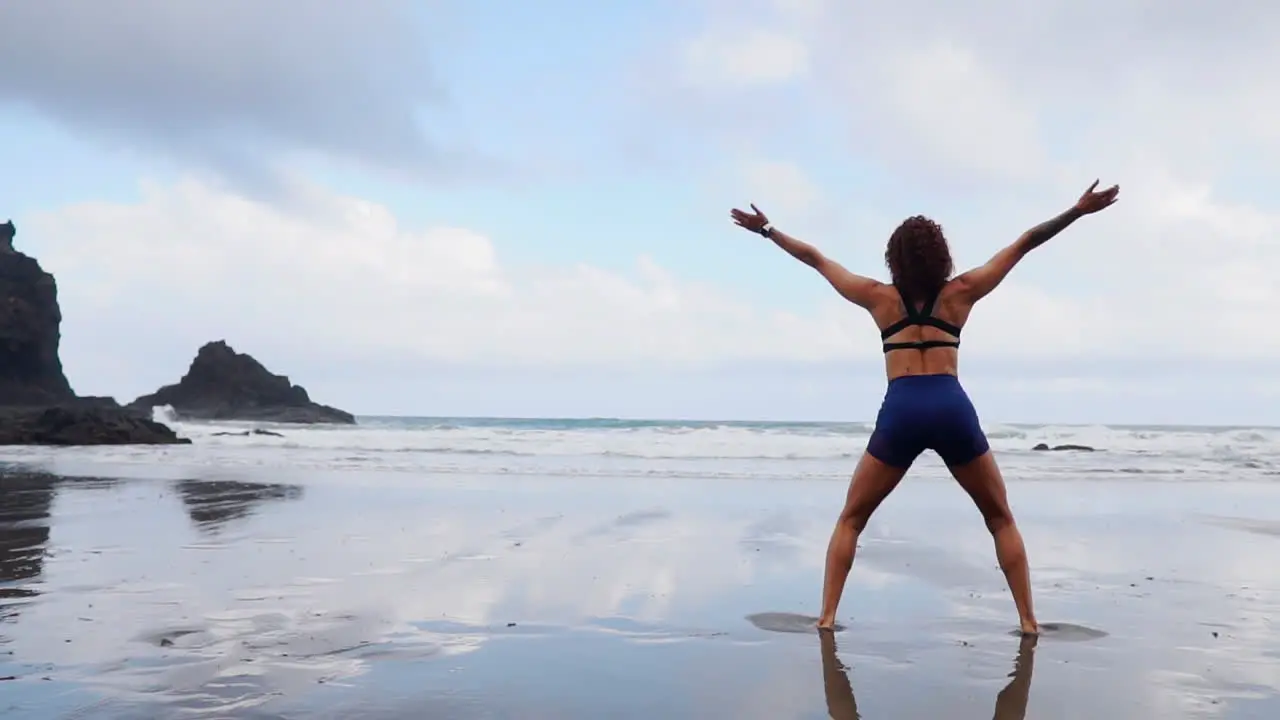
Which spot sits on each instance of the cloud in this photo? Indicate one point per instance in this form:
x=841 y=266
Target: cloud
x=983 y=128
x=757 y=56
x=786 y=184
x=192 y=262
x=238 y=87
x=1056 y=86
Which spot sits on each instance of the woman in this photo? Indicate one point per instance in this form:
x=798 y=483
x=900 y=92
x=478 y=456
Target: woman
x=920 y=315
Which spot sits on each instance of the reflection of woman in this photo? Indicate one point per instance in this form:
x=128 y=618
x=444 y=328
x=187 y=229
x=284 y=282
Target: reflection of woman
x=841 y=705
x=1011 y=702
x=920 y=315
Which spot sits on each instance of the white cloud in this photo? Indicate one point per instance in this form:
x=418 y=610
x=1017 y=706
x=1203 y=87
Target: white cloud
x=787 y=186
x=963 y=112
x=733 y=59
x=191 y=263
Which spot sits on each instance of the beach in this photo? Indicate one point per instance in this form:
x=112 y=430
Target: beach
x=598 y=569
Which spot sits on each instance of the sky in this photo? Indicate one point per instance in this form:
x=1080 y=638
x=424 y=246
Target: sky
x=516 y=209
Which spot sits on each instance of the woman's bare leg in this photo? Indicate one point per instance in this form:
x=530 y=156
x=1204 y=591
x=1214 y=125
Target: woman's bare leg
x=981 y=479
x=871 y=484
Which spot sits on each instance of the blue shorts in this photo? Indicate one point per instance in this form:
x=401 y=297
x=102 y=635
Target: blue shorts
x=926 y=412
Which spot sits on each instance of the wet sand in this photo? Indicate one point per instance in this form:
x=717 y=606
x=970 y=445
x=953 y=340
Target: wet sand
x=402 y=596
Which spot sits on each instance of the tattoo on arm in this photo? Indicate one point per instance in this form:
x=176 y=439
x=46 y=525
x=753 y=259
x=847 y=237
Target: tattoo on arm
x=1040 y=234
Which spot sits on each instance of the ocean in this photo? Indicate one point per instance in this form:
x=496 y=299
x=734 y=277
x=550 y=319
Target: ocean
x=612 y=449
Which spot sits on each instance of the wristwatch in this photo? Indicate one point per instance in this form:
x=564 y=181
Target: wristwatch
x=767 y=229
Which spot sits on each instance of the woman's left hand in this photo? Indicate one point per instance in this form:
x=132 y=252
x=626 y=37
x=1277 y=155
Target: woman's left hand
x=754 y=221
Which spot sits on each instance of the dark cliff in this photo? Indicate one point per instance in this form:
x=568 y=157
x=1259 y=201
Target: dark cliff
x=30 y=330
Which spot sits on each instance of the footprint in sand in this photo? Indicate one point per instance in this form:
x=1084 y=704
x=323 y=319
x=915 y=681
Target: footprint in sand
x=1066 y=632
x=786 y=622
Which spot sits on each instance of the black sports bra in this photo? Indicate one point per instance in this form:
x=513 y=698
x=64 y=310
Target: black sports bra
x=923 y=316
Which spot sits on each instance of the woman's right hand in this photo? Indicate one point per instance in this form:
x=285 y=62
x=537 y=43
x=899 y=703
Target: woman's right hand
x=1091 y=202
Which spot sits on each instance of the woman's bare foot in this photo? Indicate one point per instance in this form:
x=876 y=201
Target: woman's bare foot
x=826 y=623
x=1029 y=627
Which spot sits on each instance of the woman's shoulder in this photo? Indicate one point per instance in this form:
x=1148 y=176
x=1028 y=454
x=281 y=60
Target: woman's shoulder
x=887 y=294
x=953 y=300
x=952 y=290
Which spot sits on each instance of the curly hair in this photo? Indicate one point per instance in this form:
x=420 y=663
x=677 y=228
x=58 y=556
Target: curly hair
x=919 y=259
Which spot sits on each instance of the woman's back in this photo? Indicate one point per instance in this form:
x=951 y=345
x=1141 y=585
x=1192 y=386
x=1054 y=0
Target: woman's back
x=921 y=338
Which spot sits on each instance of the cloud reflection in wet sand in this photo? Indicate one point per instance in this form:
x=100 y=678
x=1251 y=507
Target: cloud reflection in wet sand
x=355 y=598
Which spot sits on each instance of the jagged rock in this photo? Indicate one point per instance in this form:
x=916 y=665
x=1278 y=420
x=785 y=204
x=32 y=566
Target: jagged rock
x=37 y=404
x=222 y=384
x=30 y=326
x=81 y=425
x=97 y=401
x=1044 y=447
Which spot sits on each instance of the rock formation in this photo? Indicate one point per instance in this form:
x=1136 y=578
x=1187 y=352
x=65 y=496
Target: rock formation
x=37 y=404
x=222 y=384
x=1044 y=447
x=247 y=433
x=82 y=425
x=30 y=329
